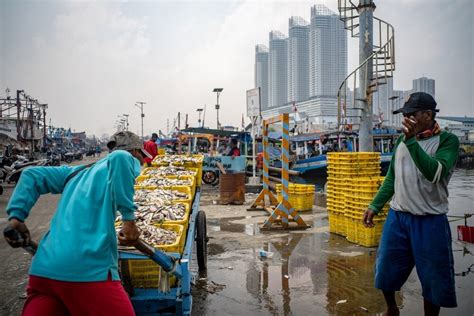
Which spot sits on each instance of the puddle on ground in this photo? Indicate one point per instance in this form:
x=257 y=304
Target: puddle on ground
x=229 y=225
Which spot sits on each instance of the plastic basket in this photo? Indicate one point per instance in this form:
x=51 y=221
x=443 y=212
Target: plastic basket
x=145 y=274
x=146 y=171
x=332 y=222
x=184 y=222
x=191 y=179
x=370 y=237
x=181 y=189
x=178 y=245
x=351 y=227
x=340 y=221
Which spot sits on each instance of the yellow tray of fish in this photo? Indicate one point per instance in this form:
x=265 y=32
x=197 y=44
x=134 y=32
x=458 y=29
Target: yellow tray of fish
x=161 y=160
x=184 y=222
x=190 y=179
x=146 y=171
x=181 y=189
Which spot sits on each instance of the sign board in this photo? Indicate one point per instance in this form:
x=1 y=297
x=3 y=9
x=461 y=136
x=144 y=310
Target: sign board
x=235 y=164
x=253 y=102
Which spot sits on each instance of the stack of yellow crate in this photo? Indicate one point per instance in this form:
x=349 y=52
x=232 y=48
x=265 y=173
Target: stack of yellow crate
x=146 y=273
x=300 y=196
x=188 y=161
x=353 y=181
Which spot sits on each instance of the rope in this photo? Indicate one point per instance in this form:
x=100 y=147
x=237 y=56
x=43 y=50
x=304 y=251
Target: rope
x=459 y=217
x=464 y=273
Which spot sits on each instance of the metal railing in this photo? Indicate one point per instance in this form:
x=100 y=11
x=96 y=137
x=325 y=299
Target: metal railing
x=378 y=67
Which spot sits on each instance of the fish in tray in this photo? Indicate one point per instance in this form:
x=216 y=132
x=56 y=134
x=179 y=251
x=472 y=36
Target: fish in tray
x=177 y=159
x=158 y=213
x=159 y=196
x=165 y=182
x=156 y=235
x=169 y=171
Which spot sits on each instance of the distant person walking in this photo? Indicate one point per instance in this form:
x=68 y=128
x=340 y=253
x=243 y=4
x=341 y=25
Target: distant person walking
x=416 y=232
x=152 y=148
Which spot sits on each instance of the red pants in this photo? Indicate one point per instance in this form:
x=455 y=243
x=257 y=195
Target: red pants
x=50 y=298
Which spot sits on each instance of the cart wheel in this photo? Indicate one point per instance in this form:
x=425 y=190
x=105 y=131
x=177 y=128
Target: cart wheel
x=201 y=240
x=209 y=177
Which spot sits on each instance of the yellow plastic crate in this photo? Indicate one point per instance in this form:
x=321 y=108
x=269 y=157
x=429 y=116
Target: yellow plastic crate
x=332 y=222
x=177 y=246
x=340 y=221
x=182 y=189
x=191 y=179
x=149 y=169
x=351 y=227
x=160 y=160
x=183 y=222
x=144 y=274
x=370 y=237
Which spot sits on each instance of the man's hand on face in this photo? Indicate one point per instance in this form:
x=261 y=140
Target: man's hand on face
x=129 y=234
x=23 y=230
x=409 y=127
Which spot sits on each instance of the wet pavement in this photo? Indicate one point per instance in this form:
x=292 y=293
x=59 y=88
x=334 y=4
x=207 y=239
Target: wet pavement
x=311 y=272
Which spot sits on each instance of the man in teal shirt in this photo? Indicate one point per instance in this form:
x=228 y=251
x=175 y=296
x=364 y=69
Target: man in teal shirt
x=75 y=268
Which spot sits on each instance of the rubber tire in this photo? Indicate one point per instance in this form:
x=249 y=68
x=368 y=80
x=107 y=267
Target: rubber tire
x=201 y=240
x=211 y=179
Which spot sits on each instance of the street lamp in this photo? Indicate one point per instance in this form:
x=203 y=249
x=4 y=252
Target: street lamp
x=199 y=120
x=140 y=106
x=218 y=91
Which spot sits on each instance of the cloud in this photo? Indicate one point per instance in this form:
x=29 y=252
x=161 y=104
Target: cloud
x=91 y=61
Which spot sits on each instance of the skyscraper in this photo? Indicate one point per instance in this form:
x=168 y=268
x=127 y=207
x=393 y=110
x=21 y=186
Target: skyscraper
x=381 y=100
x=278 y=69
x=327 y=52
x=298 y=59
x=261 y=73
x=424 y=84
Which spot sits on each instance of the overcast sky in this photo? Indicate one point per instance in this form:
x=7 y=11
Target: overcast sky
x=91 y=61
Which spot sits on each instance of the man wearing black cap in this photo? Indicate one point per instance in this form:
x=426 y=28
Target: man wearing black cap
x=416 y=232
x=74 y=271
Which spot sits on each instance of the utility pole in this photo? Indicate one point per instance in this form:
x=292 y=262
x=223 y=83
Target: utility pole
x=218 y=91
x=366 y=9
x=140 y=106
x=204 y=116
x=179 y=121
x=126 y=121
x=44 y=107
x=199 y=119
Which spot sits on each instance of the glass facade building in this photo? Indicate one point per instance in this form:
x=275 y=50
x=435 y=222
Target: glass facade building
x=261 y=74
x=327 y=52
x=424 y=84
x=278 y=69
x=298 y=59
